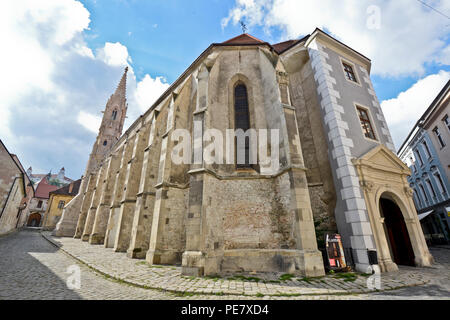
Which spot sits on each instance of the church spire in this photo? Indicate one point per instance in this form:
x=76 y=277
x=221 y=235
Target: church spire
x=112 y=124
x=122 y=87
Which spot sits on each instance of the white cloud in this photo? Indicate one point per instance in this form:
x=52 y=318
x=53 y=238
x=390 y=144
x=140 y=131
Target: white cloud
x=403 y=112
x=148 y=90
x=54 y=86
x=114 y=54
x=409 y=36
x=89 y=121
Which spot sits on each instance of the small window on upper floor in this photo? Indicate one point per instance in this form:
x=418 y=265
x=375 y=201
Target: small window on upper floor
x=349 y=73
x=61 y=204
x=419 y=157
x=438 y=135
x=105 y=143
x=366 y=124
x=446 y=122
x=427 y=150
x=39 y=205
x=114 y=114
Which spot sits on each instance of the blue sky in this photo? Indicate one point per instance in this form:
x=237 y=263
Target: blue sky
x=165 y=36
x=65 y=57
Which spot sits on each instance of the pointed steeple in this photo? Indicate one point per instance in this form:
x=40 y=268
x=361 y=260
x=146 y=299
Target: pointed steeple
x=122 y=87
x=112 y=124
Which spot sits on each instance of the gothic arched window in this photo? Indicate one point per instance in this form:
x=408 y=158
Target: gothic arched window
x=114 y=114
x=242 y=119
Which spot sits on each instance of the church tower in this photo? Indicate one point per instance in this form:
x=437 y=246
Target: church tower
x=111 y=126
x=109 y=132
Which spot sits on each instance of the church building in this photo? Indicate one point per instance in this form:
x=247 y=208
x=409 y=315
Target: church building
x=336 y=170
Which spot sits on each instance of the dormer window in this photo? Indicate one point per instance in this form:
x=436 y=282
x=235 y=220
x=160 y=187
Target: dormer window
x=114 y=114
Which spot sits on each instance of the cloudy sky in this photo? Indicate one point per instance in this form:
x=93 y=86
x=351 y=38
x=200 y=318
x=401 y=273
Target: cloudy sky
x=63 y=58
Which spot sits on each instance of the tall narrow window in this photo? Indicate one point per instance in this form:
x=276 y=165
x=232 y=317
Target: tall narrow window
x=440 y=182
x=430 y=186
x=349 y=73
x=439 y=137
x=419 y=157
x=39 y=205
x=446 y=122
x=242 y=118
x=423 y=192
x=419 y=202
x=365 y=123
x=427 y=151
x=114 y=114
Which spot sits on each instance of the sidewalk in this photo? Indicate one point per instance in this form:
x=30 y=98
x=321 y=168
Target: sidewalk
x=169 y=278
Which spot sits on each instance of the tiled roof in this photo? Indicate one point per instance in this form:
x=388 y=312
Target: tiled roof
x=244 y=39
x=69 y=190
x=44 y=188
x=280 y=47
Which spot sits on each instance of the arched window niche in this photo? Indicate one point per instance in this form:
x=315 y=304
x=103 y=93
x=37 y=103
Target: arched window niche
x=242 y=117
x=114 y=115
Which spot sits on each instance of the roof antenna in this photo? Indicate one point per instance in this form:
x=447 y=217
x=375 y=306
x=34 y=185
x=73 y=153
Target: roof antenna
x=243 y=26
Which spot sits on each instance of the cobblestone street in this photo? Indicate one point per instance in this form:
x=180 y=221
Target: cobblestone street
x=33 y=268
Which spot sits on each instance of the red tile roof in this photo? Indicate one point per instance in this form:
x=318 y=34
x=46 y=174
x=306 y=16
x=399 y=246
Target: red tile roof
x=280 y=47
x=69 y=190
x=44 y=188
x=244 y=39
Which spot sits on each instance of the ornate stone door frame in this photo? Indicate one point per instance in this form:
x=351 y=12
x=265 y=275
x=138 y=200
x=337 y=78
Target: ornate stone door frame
x=383 y=174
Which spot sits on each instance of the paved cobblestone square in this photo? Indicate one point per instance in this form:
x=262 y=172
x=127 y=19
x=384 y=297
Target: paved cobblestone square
x=33 y=268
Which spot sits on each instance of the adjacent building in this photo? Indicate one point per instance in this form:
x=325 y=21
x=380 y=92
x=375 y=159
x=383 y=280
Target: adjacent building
x=43 y=184
x=59 y=179
x=16 y=191
x=332 y=167
x=58 y=199
x=426 y=151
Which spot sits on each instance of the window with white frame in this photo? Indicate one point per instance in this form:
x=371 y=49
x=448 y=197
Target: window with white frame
x=426 y=149
x=349 y=72
x=439 y=138
x=446 y=122
x=366 y=124
x=424 y=194
x=419 y=157
x=440 y=183
x=431 y=188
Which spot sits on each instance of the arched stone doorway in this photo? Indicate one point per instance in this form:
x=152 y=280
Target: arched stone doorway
x=382 y=175
x=34 y=220
x=396 y=231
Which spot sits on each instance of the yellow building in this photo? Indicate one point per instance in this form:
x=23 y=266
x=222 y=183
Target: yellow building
x=58 y=199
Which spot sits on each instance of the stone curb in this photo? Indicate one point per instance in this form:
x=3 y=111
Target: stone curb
x=212 y=292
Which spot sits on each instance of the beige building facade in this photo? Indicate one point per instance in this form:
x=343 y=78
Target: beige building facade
x=16 y=191
x=215 y=214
